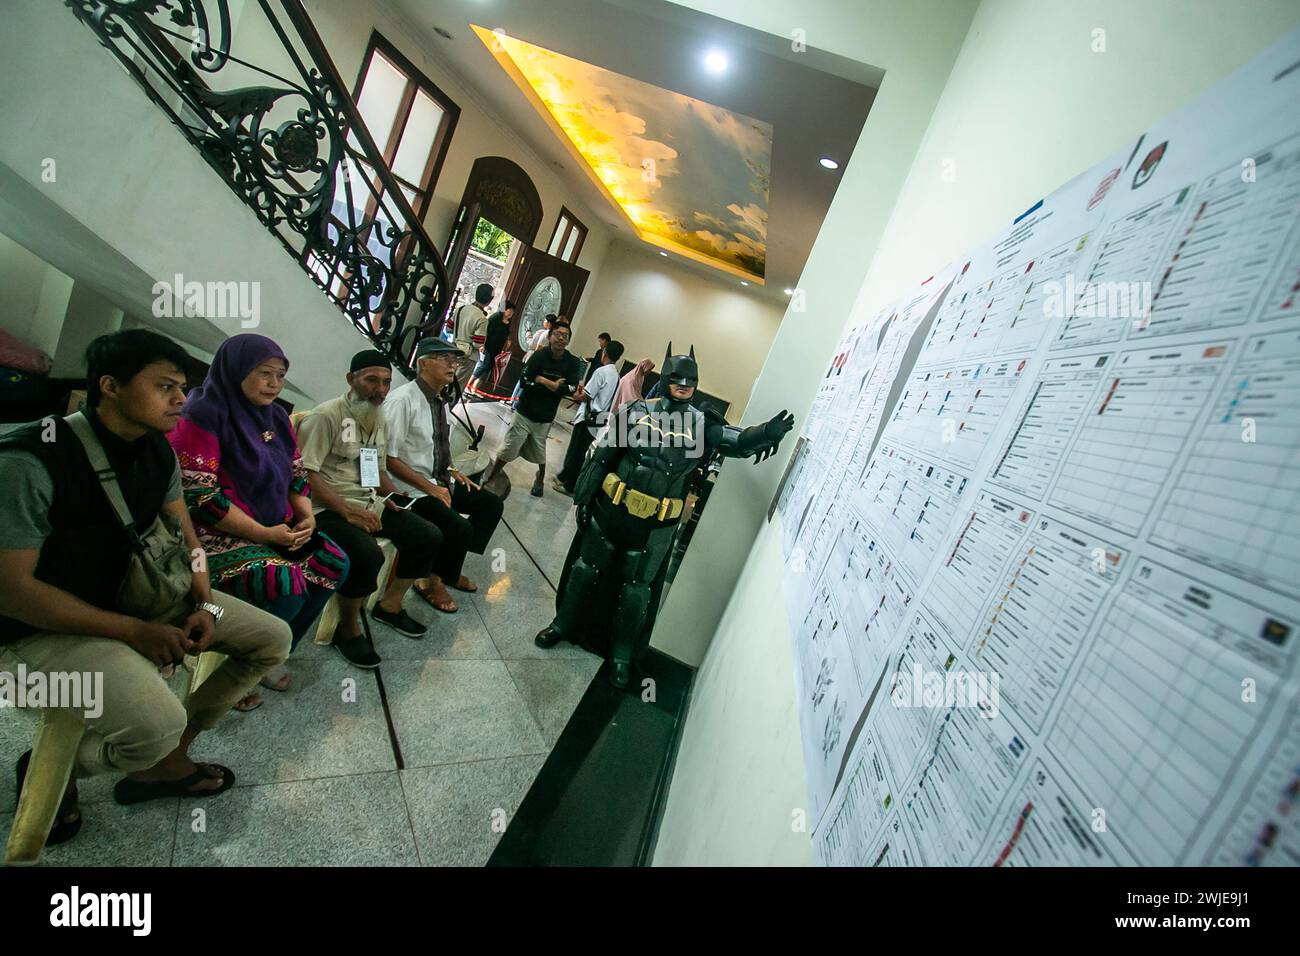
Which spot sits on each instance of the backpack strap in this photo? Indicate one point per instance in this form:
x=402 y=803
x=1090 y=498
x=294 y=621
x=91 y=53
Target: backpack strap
x=80 y=426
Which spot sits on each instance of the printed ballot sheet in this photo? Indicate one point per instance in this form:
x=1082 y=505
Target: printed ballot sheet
x=1043 y=550
x=847 y=594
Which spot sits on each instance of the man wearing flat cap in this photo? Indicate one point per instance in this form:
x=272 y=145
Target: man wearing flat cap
x=345 y=452
x=419 y=461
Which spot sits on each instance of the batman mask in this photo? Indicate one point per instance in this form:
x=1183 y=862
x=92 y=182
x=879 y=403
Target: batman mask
x=680 y=369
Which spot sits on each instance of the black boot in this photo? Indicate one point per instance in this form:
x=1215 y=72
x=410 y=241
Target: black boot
x=548 y=636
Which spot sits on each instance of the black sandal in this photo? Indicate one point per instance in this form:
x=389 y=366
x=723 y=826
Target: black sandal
x=62 y=830
x=128 y=791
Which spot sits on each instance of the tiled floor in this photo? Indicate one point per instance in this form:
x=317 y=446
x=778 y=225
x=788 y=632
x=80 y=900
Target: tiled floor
x=475 y=708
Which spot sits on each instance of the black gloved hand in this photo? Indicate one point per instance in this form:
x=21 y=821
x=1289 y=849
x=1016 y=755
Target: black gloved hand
x=584 y=516
x=778 y=425
x=773 y=431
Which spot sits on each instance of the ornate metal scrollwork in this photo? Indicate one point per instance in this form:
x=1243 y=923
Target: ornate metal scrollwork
x=294 y=149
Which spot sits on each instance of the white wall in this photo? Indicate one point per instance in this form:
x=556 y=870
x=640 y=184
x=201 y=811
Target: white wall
x=21 y=277
x=88 y=315
x=1028 y=106
x=51 y=310
x=645 y=301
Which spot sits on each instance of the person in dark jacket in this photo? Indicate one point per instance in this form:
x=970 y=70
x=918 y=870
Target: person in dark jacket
x=488 y=372
x=550 y=375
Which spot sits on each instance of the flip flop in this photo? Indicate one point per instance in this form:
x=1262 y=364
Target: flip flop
x=128 y=791
x=444 y=607
x=468 y=590
x=62 y=830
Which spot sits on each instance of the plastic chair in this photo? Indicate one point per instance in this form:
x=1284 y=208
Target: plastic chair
x=48 y=773
x=53 y=757
x=329 y=616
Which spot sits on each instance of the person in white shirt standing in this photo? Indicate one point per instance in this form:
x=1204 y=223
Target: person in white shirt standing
x=592 y=409
x=420 y=465
x=471 y=330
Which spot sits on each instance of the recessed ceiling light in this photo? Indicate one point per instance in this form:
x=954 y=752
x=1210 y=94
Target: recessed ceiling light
x=829 y=163
x=664 y=254
x=743 y=282
x=789 y=291
x=442 y=33
x=716 y=61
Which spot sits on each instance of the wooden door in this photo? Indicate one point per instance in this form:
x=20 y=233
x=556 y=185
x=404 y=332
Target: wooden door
x=540 y=284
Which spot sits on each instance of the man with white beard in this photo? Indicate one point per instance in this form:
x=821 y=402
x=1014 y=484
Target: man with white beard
x=344 y=449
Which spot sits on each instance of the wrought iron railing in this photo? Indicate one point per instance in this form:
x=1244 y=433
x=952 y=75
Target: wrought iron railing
x=279 y=125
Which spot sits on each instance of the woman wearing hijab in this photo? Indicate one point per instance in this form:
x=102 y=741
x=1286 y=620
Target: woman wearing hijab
x=631 y=384
x=248 y=495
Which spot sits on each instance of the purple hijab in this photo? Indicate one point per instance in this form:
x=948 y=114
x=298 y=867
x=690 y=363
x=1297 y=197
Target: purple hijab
x=259 y=469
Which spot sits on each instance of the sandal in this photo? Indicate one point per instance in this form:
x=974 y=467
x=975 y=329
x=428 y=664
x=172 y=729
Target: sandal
x=448 y=606
x=243 y=706
x=466 y=585
x=63 y=829
x=128 y=791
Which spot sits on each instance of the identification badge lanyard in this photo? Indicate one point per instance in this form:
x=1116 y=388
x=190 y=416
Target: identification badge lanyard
x=369 y=461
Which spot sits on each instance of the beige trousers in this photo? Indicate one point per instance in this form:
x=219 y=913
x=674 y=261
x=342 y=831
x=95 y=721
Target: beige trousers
x=141 y=720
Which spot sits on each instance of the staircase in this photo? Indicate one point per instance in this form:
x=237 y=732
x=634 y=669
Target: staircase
x=276 y=122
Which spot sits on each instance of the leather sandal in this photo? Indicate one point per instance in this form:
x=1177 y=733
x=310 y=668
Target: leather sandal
x=466 y=585
x=446 y=607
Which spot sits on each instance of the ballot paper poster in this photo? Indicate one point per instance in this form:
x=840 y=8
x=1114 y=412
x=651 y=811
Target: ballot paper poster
x=1042 y=543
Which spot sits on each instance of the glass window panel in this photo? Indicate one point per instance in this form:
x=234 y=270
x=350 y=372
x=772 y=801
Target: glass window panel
x=570 y=246
x=381 y=94
x=417 y=138
x=554 y=248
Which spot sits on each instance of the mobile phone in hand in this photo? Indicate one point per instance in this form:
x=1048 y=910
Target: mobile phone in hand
x=400 y=500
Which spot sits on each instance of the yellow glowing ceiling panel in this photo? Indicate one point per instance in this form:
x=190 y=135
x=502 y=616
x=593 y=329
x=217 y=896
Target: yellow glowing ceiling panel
x=688 y=176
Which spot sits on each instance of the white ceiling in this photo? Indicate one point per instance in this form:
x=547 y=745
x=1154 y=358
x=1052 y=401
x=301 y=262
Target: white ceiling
x=815 y=101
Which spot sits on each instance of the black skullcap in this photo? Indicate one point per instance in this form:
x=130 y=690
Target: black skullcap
x=370 y=358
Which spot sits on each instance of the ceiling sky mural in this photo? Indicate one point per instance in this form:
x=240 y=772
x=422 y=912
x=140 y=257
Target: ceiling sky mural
x=690 y=177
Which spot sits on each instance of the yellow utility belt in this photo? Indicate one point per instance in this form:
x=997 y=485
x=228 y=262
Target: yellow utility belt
x=640 y=505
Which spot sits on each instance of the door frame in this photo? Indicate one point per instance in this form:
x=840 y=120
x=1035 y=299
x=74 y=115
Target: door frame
x=524 y=278
x=499 y=190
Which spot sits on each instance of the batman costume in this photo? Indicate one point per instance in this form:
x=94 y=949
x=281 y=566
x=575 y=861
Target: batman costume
x=629 y=495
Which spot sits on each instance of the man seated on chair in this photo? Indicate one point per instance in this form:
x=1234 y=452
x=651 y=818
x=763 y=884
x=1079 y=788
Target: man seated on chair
x=64 y=554
x=419 y=461
x=344 y=449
